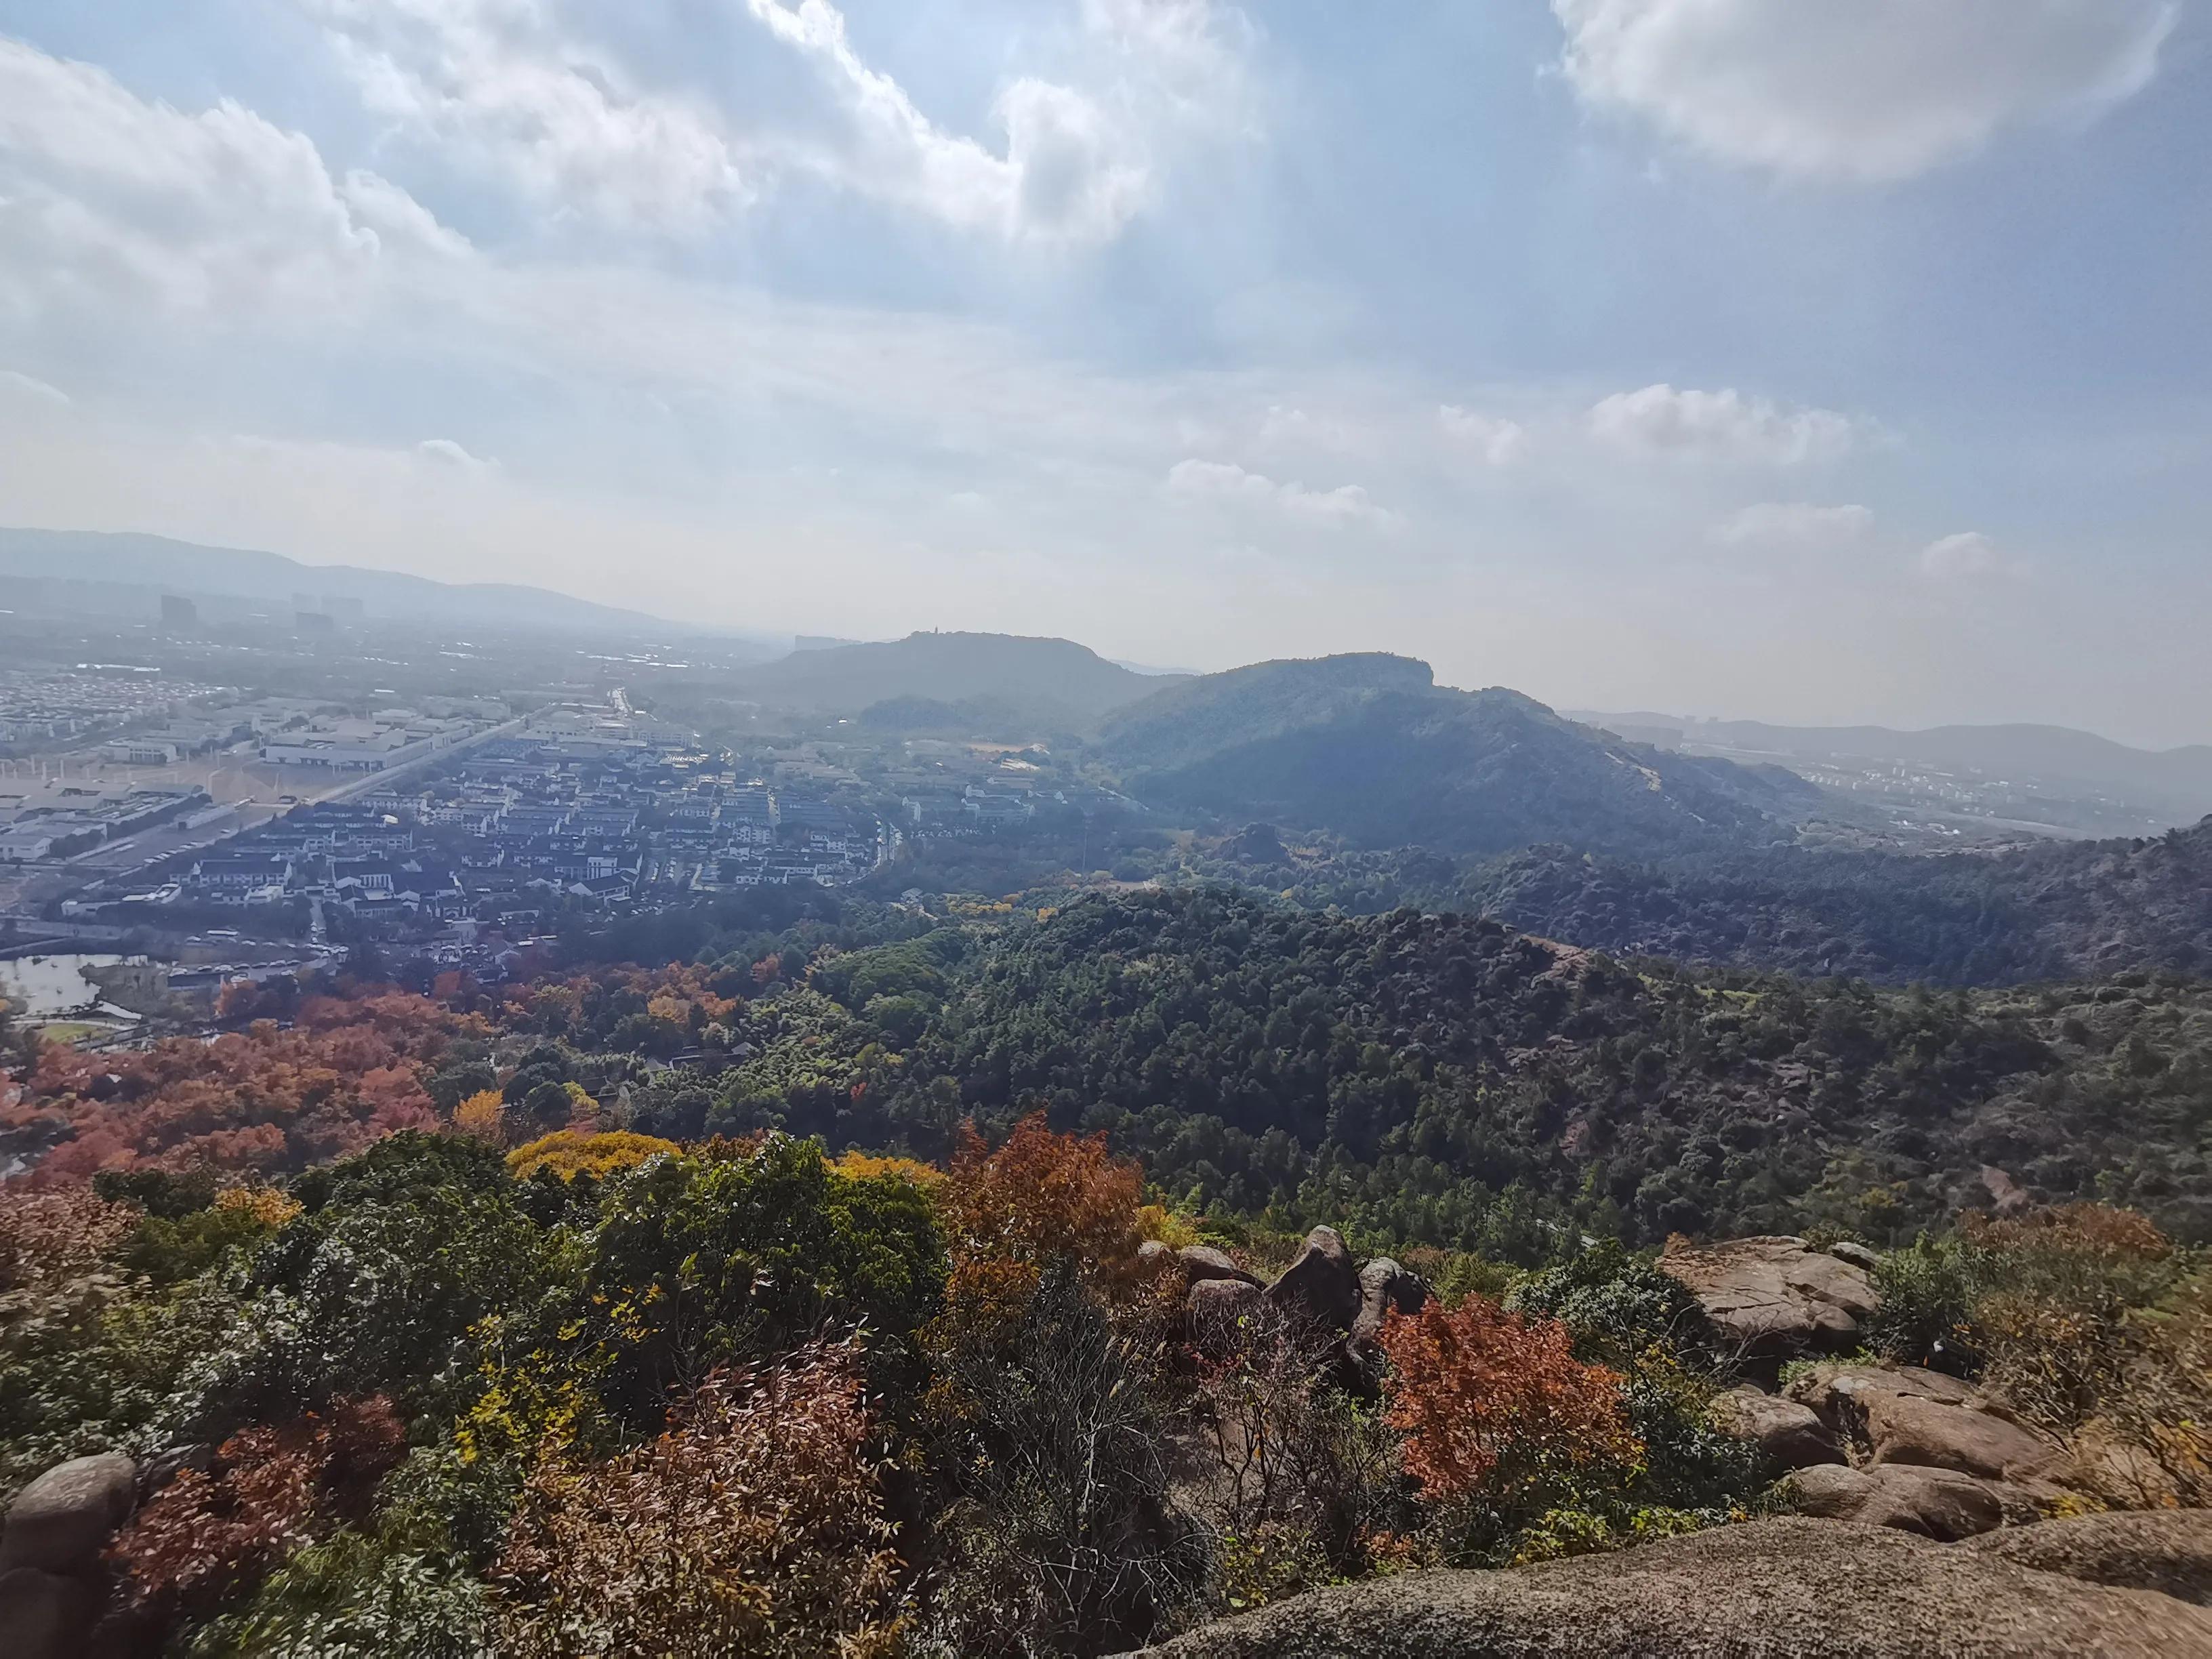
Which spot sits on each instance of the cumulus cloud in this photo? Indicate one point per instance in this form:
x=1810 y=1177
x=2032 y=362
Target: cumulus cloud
x=1499 y=442
x=1865 y=90
x=1224 y=481
x=1794 y=524
x=539 y=92
x=1970 y=556
x=104 y=195
x=1720 y=425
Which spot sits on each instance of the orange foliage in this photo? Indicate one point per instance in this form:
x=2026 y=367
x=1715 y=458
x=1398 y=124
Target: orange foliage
x=1043 y=1196
x=266 y=1099
x=1491 y=1403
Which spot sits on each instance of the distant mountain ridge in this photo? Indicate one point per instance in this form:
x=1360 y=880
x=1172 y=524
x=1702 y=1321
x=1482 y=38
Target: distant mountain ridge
x=2181 y=778
x=119 y=568
x=1370 y=747
x=1049 y=681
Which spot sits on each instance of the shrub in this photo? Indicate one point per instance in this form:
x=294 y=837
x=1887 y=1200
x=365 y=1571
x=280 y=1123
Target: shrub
x=1927 y=1293
x=1047 y=1424
x=208 y=1533
x=753 y=1524
x=1498 y=1414
x=567 y=1154
x=1618 y=1306
x=737 y=1253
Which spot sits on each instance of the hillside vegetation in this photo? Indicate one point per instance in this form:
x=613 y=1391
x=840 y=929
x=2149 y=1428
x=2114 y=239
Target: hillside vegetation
x=1053 y=683
x=1371 y=748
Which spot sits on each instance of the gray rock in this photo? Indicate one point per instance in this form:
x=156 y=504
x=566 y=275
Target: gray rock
x=61 y=1520
x=2169 y=1551
x=1385 y=1288
x=1774 y=1299
x=1938 y=1504
x=1202 y=1261
x=43 y=1616
x=1857 y=1255
x=1787 y=1588
x=1319 y=1291
x=1216 y=1310
x=1905 y=1429
x=1786 y=1432
x=1153 y=1257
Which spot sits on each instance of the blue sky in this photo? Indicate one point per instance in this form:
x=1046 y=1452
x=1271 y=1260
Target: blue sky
x=1771 y=358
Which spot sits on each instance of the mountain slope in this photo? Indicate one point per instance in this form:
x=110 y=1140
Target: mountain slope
x=1050 y=681
x=1370 y=747
x=2054 y=755
x=2063 y=911
x=88 y=569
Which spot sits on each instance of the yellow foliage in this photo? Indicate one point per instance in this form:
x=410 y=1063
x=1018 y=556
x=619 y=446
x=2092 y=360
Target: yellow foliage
x=868 y=1166
x=568 y=1155
x=482 y=1116
x=1160 y=1223
x=265 y=1205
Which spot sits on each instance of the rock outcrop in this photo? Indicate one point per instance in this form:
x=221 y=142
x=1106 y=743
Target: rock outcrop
x=2169 y=1551
x=1903 y=1429
x=51 y=1578
x=1320 y=1290
x=1216 y=1309
x=1202 y=1261
x=1939 y=1504
x=1788 y=1588
x=1385 y=1288
x=1792 y=1435
x=1774 y=1299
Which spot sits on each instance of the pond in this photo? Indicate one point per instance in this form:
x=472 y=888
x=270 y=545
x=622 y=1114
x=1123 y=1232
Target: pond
x=40 y=987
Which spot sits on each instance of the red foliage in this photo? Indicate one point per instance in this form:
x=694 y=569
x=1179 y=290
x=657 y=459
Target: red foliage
x=266 y=1099
x=206 y=1534
x=1491 y=1403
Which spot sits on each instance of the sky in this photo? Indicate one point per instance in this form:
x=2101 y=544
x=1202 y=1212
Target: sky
x=1776 y=359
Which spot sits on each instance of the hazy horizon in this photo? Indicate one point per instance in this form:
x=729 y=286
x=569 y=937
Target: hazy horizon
x=1749 y=358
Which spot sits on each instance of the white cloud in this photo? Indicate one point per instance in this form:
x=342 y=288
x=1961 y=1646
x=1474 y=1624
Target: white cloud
x=105 y=198
x=535 y=91
x=15 y=383
x=1794 y=524
x=1499 y=442
x=1969 y=555
x=1722 y=426
x=1224 y=481
x=447 y=452
x=1867 y=90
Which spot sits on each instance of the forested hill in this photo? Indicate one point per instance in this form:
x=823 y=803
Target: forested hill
x=1053 y=682
x=1443 y=1078
x=2066 y=910
x=1371 y=748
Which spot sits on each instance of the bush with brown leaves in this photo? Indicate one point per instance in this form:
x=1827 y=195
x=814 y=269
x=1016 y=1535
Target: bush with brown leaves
x=754 y=1525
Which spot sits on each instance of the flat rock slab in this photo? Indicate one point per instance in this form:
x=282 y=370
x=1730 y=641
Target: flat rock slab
x=1788 y=1588
x=2169 y=1551
x=1774 y=1297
